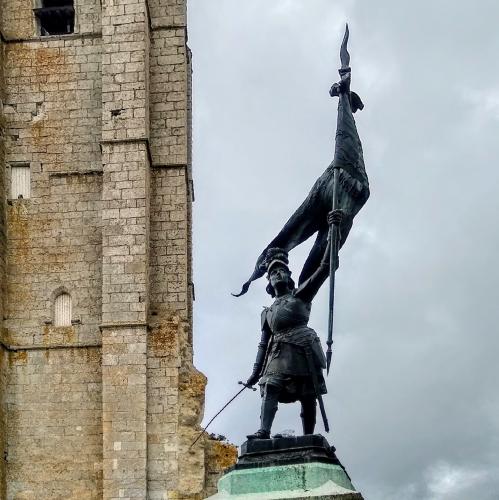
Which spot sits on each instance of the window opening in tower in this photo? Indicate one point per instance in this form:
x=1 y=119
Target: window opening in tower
x=55 y=17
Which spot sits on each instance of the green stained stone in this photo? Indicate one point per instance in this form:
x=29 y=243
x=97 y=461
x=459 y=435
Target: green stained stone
x=296 y=477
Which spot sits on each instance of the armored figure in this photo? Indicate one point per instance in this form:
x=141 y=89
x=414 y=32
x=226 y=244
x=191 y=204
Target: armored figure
x=290 y=361
x=290 y=358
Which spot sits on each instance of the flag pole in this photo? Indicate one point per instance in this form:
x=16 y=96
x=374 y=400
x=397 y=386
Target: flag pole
x=333 y=264
x=334 y=228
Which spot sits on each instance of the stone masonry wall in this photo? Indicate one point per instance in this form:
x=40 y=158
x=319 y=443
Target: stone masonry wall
x=53 y=399
x=107 y=407
x=53 y=105
x=3 y=241
x=169 y=97
x=55 y=245
x=175 y=386
x=126 y=194
x=167 y=14
x=3 y=387
x=3 y=132
x=54 y=425
x=169 y=227
x=124 y=418
x=125 y=217
x=20 y=24
x=52 y=92
x=17 y=19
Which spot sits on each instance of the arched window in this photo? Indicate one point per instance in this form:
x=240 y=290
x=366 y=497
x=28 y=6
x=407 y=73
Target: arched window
x=62 y=310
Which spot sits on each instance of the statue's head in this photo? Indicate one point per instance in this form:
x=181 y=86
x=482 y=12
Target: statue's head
x=278 y=273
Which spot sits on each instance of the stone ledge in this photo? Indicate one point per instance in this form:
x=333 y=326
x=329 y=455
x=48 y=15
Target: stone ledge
x=51 y=38
x=123 y=324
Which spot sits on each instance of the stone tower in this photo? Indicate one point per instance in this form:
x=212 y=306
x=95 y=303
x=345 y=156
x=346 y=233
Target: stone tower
x=98 y=395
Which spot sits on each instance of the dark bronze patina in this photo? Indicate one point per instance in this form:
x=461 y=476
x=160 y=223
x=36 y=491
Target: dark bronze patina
x=290 y=357
x=290 y=360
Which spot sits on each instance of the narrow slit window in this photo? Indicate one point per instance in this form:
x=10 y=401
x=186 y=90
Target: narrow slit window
x=20 y=181
x=62 y=310
x=55 y=17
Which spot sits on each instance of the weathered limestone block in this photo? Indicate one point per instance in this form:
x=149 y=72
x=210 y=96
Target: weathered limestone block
x=88 y=16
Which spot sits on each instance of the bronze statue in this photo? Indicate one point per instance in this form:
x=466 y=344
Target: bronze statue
x=290 y=358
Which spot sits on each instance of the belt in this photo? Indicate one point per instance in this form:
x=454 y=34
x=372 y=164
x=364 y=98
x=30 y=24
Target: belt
x=286 y=335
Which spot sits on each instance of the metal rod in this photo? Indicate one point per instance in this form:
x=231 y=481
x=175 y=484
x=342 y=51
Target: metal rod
x=333 y=259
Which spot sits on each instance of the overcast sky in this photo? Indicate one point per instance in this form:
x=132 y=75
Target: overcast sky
x=413 y=396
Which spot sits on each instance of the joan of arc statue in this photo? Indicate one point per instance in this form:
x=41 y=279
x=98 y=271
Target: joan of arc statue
x=290 y=358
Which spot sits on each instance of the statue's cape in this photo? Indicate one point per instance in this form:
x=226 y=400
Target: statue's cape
x=311 y=216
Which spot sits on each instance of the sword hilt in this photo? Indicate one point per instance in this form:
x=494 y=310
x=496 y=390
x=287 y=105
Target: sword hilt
x=247 y=386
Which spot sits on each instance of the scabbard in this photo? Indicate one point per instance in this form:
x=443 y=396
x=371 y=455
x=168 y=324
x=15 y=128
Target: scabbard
x=313 y=373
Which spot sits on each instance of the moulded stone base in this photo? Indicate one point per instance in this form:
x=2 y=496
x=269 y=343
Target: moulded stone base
x=287 y=468
x=320 y=481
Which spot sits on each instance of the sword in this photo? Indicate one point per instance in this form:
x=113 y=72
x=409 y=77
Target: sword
x=223 y=408
x=318 y=395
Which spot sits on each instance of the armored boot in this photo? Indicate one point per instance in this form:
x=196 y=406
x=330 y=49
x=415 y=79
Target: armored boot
x=308 y=415
x=269 y=408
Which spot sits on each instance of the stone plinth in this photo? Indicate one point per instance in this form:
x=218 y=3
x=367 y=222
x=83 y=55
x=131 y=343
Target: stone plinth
x=288 y=467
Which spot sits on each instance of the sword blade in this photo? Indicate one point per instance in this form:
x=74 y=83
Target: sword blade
x=223 y=408
x=323 y=412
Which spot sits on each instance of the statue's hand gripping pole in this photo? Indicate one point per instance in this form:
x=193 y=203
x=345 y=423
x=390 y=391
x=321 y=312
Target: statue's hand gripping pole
x=223 y=408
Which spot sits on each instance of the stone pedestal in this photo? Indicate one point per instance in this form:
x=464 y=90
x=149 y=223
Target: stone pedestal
x=284 y=468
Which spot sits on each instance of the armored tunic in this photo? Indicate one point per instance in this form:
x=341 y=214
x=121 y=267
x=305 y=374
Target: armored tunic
x=294 y=351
